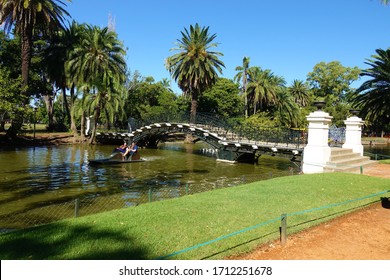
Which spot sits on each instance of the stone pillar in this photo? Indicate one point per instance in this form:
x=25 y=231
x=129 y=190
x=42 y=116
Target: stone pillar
x=317 y=151
x=353 y=134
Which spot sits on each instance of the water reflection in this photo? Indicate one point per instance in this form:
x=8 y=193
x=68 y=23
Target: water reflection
x=33 y=177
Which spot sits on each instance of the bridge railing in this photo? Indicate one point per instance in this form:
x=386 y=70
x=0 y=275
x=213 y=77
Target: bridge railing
x=236 y=132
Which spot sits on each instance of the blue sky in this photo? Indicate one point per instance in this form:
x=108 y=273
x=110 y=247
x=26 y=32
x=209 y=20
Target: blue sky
x=289 y=37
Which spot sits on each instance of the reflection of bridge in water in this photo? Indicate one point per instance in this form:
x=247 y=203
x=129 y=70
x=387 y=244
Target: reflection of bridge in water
x=230 y=144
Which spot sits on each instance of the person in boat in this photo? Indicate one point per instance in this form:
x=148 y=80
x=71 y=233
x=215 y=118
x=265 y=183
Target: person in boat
x=122 y=148
x=130 y=151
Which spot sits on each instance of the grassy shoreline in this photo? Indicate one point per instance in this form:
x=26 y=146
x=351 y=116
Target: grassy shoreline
x=157 y=229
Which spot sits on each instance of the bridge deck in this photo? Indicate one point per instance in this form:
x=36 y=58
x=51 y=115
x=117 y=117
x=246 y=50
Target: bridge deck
x=221 y=139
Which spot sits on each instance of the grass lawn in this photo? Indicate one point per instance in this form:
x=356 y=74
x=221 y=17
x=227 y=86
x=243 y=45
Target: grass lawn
x=157 y=229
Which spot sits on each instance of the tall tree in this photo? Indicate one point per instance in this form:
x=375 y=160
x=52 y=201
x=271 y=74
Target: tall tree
x=373 y=96
x=242 y=75
x=300 y=92
x=98 y=63
x=29 y=16
x=56 y=56
x=222 y=99
x=286 y=108
x=195 y=68
x=332 y=80
x=263 y=87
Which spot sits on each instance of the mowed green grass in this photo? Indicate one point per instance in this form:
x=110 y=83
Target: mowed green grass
x=239 y=218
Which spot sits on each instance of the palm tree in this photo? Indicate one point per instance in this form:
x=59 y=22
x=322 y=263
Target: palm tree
x=99 y=64
x=263 y=87
x=373 y=96
x=286 y=108
x=243 y=75
x=29 y=16
x=195 y=67
x=300 y=92
x=56 y=56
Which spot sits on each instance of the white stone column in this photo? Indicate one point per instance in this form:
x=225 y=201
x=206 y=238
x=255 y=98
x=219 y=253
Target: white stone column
x=353 y=134
x=317 y=151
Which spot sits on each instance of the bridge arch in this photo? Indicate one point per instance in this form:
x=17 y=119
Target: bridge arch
x=228 y=146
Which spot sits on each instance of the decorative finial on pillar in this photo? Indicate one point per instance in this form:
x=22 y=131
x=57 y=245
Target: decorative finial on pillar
x=354 y=112
x=319 y=104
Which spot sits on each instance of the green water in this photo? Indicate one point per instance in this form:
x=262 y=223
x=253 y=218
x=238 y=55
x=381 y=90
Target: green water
x=42 y=184
x=40 y=176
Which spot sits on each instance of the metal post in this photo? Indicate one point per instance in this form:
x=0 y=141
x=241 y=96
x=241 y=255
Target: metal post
x=150 y=194
x=283 y=229
x=186 y=188
x=76 y=207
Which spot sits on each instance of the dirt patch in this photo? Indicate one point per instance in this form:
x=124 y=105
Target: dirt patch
x=378 y=170
x=361 y=235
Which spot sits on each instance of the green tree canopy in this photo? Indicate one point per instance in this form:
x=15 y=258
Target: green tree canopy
x=222 y=99
x=29 y=16
x=263 y=88
x=332 y=80
x=148 y=101
x=242 y=75
x=195 y=67
x=373 y=96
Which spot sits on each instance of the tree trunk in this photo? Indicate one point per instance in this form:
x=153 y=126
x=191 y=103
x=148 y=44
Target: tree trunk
x=26 y=57
x=73 y=126
x=194 y=106
x=49 y=102
x=2 y=122
x=66 y=104
x=17 y=123
x=244 y=82
x=96 y=116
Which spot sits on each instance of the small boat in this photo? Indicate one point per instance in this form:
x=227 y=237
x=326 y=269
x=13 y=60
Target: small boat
x=115 y=158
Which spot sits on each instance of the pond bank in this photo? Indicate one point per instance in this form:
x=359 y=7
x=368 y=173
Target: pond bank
x=41 y=139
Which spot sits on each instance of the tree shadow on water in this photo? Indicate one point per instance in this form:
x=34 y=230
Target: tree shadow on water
x=63 y=241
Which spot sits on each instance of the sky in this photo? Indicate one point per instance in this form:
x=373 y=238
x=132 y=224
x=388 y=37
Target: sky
x=288 y=37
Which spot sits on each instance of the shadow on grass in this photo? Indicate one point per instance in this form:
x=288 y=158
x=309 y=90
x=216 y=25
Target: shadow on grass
x=63 y=241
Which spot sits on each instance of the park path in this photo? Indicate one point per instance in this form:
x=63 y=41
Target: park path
x=360 y=235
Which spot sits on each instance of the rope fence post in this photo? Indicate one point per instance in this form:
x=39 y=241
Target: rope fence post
x=283 y=229
x=150 y=194
x=76 y=207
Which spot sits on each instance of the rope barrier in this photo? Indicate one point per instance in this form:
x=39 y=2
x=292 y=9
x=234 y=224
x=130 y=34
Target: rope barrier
x=336 y=204
x=268 y=222
x=217 y=239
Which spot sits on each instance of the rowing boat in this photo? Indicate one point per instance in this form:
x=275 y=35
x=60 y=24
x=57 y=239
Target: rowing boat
x=112 y=160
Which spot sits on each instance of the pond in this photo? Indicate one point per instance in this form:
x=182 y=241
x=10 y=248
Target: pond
x=53 y=177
